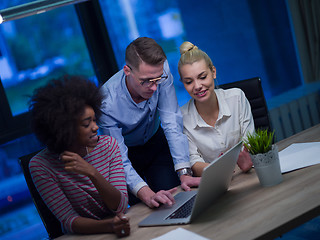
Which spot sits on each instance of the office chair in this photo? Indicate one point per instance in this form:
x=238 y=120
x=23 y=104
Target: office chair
x=253 y=90
x=51 y=223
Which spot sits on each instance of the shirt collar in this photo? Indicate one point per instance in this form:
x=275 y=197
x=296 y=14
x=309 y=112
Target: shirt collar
x=224 y=110
x=124 y=86
x=128 y=95
x=196 y=119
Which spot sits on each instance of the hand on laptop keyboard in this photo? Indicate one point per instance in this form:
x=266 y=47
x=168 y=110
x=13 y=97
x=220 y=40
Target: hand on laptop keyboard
x=152 y=199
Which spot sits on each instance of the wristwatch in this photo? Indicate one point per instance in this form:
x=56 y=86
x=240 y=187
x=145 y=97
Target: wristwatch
x=184 y=171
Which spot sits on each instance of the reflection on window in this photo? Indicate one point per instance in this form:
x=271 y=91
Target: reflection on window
x=128 y=19
x=38 y=48
x=18 y=214
x=11 y=3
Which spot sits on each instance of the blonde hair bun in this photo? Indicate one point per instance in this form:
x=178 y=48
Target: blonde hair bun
x=187 y=46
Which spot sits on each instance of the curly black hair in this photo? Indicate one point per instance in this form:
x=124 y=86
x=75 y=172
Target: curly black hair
x=56 y=107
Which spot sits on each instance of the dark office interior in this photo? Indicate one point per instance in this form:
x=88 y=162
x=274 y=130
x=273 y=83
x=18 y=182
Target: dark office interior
x=276 y=40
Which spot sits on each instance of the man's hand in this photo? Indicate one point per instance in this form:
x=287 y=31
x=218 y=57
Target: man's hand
x=152 y=199
x=187 y=182
x=244 y=160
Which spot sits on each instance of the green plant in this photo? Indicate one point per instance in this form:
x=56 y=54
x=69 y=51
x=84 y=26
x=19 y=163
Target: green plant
x=259 y=141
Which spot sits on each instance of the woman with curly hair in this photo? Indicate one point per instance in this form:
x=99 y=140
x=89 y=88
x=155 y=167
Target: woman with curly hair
x=79 y=174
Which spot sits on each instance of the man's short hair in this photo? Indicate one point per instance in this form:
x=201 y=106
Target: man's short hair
x=144 y=49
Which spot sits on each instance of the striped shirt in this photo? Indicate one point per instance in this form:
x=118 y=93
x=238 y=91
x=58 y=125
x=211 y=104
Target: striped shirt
x=70 y=195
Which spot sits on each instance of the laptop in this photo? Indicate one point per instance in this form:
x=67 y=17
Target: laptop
x=215 y=181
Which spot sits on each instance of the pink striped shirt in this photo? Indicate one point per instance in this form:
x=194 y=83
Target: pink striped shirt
x=70 y=195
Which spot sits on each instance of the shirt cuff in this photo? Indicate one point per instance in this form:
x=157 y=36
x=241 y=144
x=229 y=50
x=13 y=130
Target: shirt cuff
x=123 y=205
x=182 y=165
x=195 y=160
x=136 y=189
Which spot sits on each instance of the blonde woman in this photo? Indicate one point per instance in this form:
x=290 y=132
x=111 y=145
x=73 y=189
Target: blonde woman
x=214 y=120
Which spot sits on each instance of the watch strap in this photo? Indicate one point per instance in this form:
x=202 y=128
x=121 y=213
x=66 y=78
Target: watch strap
x=184 y=171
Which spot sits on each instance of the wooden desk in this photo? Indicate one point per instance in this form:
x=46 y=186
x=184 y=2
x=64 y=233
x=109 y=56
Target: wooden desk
x=247 y=210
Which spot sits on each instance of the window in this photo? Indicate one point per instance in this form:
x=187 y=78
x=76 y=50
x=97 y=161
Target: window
x=128 y=19
x=244 y=39
x=39 y=48
x=33 y=50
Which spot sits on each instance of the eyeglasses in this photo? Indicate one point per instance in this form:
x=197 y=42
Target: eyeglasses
x=149 y=82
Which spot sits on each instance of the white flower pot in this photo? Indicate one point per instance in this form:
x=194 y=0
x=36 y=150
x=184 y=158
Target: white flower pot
x=267 y=167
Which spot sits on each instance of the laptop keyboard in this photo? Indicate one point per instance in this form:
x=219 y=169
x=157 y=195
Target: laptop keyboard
x=183 y=211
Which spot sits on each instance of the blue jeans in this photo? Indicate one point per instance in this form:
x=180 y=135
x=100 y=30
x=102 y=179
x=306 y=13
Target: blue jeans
x=153 y=162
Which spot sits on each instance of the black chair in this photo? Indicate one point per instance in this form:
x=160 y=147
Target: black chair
x=253 y=90
x=51 y=223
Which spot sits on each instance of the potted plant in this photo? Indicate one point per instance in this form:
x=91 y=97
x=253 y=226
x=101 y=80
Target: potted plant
x=264 y=156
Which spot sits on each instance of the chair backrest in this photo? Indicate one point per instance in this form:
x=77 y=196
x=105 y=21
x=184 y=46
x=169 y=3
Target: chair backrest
x=51 y=223
x=253 y=90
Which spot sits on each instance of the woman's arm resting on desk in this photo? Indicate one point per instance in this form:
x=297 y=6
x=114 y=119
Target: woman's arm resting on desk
x=187 y=182
x=118 y=225
x=198 y=167
x=244 y=161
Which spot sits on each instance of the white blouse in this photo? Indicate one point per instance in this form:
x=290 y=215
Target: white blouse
x=206 y=143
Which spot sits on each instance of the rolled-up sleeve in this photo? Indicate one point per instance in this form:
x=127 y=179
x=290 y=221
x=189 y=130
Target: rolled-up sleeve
x=172 y=122
x=246 y=118
x=134 y=181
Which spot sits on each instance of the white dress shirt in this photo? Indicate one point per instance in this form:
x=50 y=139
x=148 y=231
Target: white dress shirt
x=235 y=119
